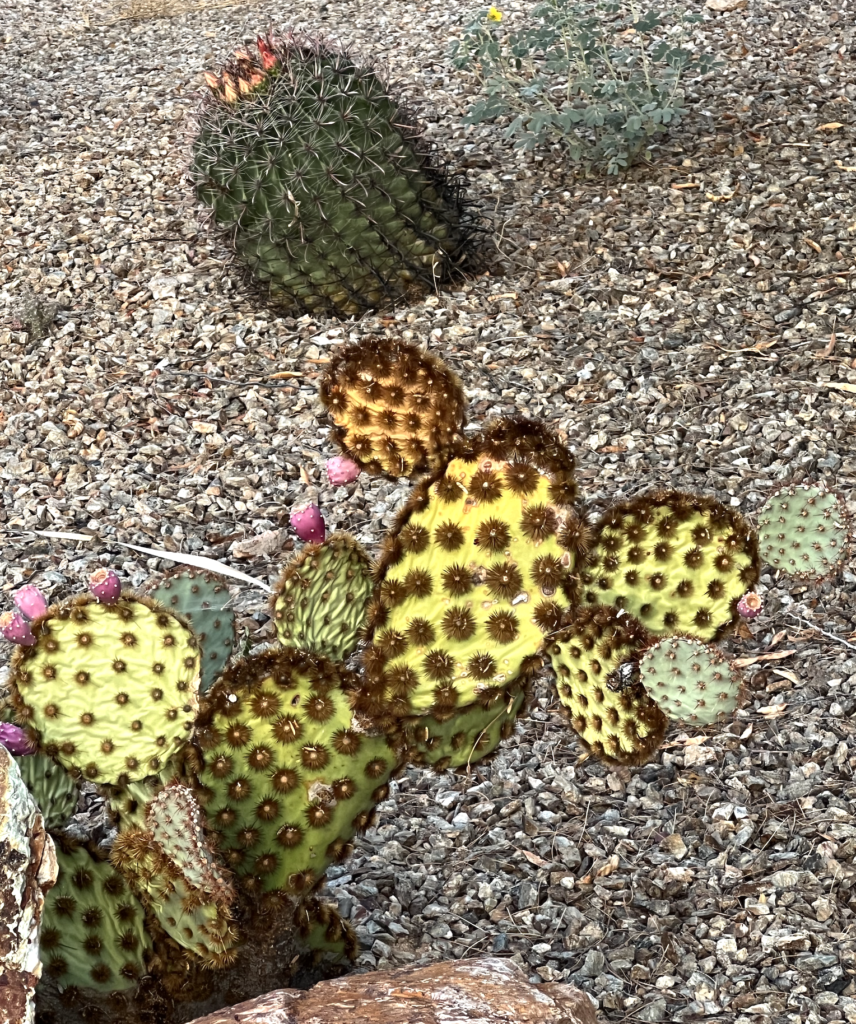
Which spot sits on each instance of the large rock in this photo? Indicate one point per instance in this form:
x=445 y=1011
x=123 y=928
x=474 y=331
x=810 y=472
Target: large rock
x=28 y=869
x=486 y=991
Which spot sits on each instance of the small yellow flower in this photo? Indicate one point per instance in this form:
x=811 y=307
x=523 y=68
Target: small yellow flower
x=493 y=14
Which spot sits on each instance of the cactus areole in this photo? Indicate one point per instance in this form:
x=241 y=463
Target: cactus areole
x=319 y=180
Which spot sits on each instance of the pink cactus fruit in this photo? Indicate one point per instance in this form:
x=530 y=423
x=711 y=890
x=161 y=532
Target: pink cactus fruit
x=14 y=739
x=750 y=605
x=30 y=601
x=341 y=470
x=308 y=523
x=16 y=628
x=105 y=585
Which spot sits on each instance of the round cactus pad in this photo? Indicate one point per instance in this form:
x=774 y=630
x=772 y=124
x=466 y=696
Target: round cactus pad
x=691 y=681
x=110 y=691
x=803 y=532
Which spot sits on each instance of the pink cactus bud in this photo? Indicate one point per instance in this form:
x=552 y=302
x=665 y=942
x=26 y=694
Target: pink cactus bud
x=308 y=523
x=268 y=58
x=14 y=739
x=750 y=605
x=341 y=470
x=15 y=628
x=105 y=585
x=30 y=601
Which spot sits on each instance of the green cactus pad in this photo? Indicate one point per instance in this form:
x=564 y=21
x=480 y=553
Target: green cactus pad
x=320 y=182
x=51 y=787
x=474 y=574
x=803 y=531
x=689 y=680
x=324 y=931
x=395 y=409
x=677 y=562
x=93 y=930
x=174 y=869
x=203 y=601
x=465 y=736
x=319 y=603
x=289 y=772
x=595 y=659
x=108 y=691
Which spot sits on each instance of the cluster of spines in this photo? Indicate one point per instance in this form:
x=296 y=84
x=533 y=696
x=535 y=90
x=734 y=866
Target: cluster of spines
x=319 y=602
x=395 y=409
x=110 y=692
x=678 y=562
x=805 y=532
x=288 y=774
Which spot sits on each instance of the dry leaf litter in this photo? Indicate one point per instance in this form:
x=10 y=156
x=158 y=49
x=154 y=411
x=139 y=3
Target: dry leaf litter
x=688 y=326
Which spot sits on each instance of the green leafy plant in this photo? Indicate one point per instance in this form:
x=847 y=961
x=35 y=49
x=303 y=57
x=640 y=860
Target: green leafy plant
x=600 y=77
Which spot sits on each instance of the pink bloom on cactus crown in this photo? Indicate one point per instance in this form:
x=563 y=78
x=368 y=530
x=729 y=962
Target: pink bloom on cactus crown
x=308 y=523
x=30 y=601
x=105 y=586
x=15 y=628
x=14 y=739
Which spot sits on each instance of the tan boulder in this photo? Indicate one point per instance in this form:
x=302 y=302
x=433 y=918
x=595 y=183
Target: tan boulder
x=484 y=991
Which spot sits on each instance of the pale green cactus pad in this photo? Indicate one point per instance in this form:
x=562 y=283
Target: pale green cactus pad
x=51 y=787
x=690 y=681
x=319 y=603
x=803 y=531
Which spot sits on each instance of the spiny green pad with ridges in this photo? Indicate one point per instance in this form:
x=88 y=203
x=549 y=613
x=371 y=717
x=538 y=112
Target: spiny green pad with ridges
x=93 y=930
x=803 y=531
x=473 y=575
x=203 y=600
x=690 y=681
x=319 y=181
x=595 y=659
x=464 y=736
x=290 y=773
x=109 y=691
x=51 y=787
x=324 y=931
x=319 y=603
x=174 y=868
x=677 y=562
x=395 y=409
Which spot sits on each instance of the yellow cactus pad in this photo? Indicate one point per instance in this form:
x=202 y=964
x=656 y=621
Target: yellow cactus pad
x=396 y=409
x=109 y=691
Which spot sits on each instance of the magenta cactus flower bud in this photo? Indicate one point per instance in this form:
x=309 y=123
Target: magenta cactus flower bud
x=14 y=739
x=30 y=601
x=308 y=523
x=341 y=470
x=750 y=605
x=105 y=585
x=16 y=628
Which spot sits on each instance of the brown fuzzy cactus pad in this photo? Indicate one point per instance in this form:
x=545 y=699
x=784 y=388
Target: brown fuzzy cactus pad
x=109 y=691
x=319 y=602
x=473 y=575
x=677 y=562
x=395 y=409
x=595 y=659
x=289 y=772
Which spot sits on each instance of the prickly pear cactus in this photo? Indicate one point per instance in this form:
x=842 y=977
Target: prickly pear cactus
x=108 y=691
x=689 y=680
x=320 y=182
x=395 y=409
x=595 y=659
x=319 y=603
x=477 y=570
x=203 y=601
x=174 y=869
x=93 y=932
x=51 y=787
x=461 y=738
x=803 y=531
x=324 y=931
x=289 y=773
x=677 y=562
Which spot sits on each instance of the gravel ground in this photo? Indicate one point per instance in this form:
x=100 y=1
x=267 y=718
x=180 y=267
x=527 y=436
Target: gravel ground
x=688 y=326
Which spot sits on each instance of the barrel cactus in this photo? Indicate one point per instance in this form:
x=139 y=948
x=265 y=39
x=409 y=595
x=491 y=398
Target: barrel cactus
x=320 y=181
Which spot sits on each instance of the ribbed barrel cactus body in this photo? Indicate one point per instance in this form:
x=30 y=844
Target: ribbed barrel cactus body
x=318 y=177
